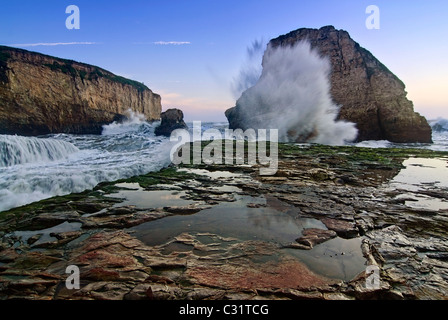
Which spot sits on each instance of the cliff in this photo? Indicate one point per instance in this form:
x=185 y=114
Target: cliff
x=40 y=94
x=368 y=93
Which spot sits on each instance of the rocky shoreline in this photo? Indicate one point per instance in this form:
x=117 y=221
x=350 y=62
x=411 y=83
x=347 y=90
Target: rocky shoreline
x=225 y=232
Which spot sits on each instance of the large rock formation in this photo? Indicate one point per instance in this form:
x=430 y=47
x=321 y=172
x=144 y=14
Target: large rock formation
x=369 y=94
x=40 y=94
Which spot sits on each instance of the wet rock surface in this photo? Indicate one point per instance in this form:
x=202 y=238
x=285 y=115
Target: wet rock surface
x=296 y=217
x=172 y=119
x=312 y=237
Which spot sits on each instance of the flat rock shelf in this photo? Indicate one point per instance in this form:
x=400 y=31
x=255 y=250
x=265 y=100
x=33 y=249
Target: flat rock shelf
x=225 y=232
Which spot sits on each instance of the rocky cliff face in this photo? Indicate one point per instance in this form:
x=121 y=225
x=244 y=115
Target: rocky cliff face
x=40 y=94
x=369 y=94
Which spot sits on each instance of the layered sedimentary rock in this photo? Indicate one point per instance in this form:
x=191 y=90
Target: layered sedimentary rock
x=40 y=94
x=369 y=94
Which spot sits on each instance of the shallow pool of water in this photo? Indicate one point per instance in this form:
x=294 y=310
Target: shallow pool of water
x=231 y=219
x=420 y=172
x=419 y=175
x=45 y=233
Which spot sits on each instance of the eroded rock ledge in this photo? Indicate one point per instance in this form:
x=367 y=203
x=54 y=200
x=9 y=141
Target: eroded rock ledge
x=344 y=192
x=369 y=94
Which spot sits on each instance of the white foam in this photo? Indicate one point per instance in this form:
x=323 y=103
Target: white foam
x=132 y=123
x=374 y=144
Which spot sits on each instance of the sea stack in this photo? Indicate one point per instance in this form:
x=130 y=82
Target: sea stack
x=41 y=94
x=368 y=93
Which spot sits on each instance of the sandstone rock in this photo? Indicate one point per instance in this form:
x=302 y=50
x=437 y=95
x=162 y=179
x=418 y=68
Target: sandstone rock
x=295 y=245
x=34 y=260
x=301 y=295
x=100 y=274
x=121 y=217
x=371 y=253
x=65 y=237
x=33 y=239
x=337 y=296
x=8 y=255
x=344 y=229
x=205 y=293
x=243 y=275
x=369 y=94
x=31 y=287
x=51 y=219
x=142 y=291
x=105 y=290
x=319 y=174
x=41 y=94
x=172 y=119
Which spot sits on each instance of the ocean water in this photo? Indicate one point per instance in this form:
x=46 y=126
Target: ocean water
x=36 y=168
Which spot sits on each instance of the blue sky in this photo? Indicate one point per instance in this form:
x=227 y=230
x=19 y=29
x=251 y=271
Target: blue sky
x=189 y=51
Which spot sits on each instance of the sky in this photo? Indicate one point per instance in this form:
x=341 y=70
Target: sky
x=190 y=51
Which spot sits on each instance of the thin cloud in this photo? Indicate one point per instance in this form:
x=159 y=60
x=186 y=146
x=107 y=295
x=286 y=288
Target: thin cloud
x=173 y=43
x=51 y=44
